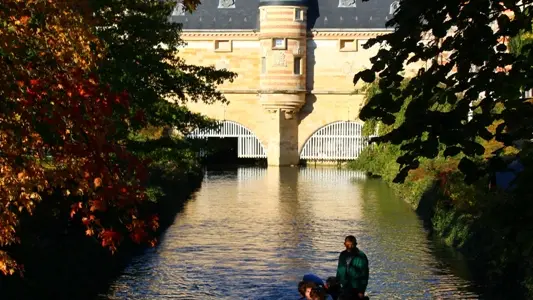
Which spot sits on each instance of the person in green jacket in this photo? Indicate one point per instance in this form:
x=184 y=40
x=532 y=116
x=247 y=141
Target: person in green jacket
x=352 y=270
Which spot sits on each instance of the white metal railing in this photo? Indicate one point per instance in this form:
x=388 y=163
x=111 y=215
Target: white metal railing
x=306 y=174
x=248 y=144
x=330 y=174
x=245 y=174
x=336 y=141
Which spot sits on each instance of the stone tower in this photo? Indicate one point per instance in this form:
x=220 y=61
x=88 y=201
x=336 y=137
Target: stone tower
x=283 y=40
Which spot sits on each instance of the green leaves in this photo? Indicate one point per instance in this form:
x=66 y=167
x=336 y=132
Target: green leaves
x=134 y=32
x=367 y=76
x=452 y=151
x=469 y=69
x=469 y=168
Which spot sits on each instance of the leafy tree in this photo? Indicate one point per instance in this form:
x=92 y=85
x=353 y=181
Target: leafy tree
x=79 y=79
x=141 y=58
x=57 y=121
x=466 y=43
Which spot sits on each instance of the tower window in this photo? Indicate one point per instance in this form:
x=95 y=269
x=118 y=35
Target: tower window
x=297 y=66
x=298 y=14
x=278 y=43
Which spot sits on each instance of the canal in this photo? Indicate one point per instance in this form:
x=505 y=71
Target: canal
x=251 y=233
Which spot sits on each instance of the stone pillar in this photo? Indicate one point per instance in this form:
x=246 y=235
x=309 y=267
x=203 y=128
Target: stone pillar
x=283 y=138
x=283 y=39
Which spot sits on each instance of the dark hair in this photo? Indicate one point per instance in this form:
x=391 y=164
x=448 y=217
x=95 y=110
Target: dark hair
x=351 y=238
x=334 y=285
x=304 y=285
x=301 y=288
x=319 y=292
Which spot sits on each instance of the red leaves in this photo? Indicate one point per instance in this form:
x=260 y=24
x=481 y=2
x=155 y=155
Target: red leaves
x=110 y=239
x=57 y=128
x=139 y=235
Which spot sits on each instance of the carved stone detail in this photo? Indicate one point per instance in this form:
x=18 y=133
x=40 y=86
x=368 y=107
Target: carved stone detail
x=289 y=114
x=347 y=3
x=179 y=10
x=226 y=4
x=272 y=110
x=280 y=59
x=393 y=7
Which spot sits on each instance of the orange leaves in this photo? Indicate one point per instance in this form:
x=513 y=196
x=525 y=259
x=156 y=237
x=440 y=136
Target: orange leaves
x=74 y=208
x=98 y=205
x=7 y=265
x=21 y=21
x=97 y=182
x=56 y=127
x=110 y=239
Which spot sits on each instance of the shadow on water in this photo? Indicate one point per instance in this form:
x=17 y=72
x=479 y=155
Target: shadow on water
x=61 y=262
x=223 y=155
x=394 y=217
x=251 y=233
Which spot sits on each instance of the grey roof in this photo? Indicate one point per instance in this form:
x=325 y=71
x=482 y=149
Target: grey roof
x=283 y=2
x=322 y=14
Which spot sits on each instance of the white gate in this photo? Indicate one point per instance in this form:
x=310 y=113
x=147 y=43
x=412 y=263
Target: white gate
x=336 y=141
x=248 y=144
x=329 y=175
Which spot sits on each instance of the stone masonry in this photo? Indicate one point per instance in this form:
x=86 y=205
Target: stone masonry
x=291 y=81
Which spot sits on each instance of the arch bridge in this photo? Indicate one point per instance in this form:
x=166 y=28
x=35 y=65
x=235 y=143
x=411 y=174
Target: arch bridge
x=248 y=145
x=337 y=141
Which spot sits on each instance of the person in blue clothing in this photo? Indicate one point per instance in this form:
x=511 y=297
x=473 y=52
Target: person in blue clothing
x=311 y=287
x=313 y=278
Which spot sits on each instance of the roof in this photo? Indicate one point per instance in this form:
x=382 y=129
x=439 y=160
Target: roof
x=322 y=14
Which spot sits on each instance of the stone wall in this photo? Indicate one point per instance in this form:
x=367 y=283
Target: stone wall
x=332 y=58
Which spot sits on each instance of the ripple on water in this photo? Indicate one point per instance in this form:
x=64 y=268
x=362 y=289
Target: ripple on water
x=253 y=233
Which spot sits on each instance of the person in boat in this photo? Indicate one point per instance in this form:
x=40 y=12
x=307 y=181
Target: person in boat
x=333 y=287
x=352 y=271
x=318 y=293
x=312 y=287
x=314 y=279
x=305 y=288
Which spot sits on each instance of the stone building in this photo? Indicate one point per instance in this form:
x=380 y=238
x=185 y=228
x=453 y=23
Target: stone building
x=295 y=61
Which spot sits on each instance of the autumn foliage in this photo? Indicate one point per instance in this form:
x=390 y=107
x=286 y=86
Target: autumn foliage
x=56 y=127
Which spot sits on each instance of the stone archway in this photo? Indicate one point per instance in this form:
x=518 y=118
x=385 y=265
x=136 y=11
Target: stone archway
x=248 y=144
x=341 y=140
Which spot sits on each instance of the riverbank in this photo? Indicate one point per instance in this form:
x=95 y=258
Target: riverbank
x=491 y=228
x=61 y=262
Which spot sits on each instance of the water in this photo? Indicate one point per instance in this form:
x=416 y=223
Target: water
x=252 y=233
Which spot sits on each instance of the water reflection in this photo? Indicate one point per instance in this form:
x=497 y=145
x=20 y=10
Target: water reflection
x=252 y=233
